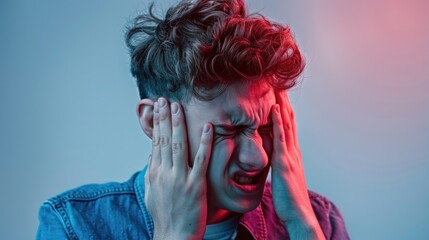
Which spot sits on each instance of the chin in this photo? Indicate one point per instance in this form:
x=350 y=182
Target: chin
x=237 y=199
x=243 y=205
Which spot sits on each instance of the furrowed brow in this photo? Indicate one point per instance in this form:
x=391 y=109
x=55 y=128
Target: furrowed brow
x=229 y=126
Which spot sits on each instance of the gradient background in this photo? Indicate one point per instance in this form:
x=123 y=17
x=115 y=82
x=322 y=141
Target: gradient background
x=68 y=106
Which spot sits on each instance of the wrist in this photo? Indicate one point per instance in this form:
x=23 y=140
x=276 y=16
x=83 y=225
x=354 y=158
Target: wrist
x=304 y=229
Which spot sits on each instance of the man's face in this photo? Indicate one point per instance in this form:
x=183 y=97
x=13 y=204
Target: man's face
x=242 y=143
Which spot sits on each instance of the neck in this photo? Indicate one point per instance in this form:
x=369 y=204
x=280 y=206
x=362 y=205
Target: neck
x=219 y=215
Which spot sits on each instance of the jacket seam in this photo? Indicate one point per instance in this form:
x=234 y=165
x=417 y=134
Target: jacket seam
x=262 y=224
x=140 y=191
x=91 y=196
x=61 y=211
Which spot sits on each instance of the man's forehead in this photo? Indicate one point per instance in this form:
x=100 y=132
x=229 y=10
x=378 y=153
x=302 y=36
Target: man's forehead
x=244 y=102
x=237 y=99
x=257 y=89
x=248 y=91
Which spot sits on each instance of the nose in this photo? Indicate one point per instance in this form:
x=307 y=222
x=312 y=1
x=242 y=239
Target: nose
x=251 y=154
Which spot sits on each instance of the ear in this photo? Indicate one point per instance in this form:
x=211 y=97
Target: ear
x=145 y=115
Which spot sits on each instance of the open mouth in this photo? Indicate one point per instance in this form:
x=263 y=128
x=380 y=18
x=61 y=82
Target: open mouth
x=244 y=179
x=249 y=184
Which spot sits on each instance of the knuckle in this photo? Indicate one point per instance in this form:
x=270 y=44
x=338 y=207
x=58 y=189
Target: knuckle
x=281 y=137
x=156 y=119
x=163 y=114
x=155 y=141
x=177 y=147
x=279 y=120
x=278 y=134
x=176 y=121
x=205 y=140
x=288 y=125
x=200 y=158
x=164 y=141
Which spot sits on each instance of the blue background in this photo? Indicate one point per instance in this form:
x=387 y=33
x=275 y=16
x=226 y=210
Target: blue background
x=68 y=103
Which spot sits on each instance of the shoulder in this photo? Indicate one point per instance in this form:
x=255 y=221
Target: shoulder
x=327 y=213
x=94 y=192
x=94 y=211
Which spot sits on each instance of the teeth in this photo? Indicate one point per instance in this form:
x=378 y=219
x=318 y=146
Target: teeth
x=243 y=179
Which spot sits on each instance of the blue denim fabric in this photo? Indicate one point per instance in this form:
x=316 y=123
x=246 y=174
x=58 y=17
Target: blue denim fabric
x=117 y=211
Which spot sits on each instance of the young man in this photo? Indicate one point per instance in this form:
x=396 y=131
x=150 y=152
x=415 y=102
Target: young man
x=212 y=83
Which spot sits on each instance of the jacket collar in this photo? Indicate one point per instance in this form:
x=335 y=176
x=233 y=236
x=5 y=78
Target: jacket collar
x=254 y=222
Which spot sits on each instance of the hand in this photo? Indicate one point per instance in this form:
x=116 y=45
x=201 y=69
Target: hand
x=290 y=195
x=176 y=194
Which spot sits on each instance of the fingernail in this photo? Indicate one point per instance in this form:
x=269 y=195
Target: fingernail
x=161 y=102
x=174 y=108
x=206 y=128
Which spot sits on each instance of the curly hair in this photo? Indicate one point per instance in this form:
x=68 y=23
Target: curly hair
x=202 y=46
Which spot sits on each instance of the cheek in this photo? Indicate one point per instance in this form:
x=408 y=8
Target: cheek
x=220 y=156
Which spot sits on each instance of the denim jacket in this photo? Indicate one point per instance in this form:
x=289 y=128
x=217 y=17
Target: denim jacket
x=117 y=211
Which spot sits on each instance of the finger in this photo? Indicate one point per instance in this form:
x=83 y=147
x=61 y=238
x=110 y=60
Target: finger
x=282 y=101
x=156 y=151
x=278 y=130
x=165 y=132
x=147 y=180
x=292 y=119
x=279 y=140
x=202 y=158
x=179 y=142
x=290 y=126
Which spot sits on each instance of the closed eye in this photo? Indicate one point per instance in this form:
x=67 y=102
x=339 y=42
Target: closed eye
x=227 y=131
x=222 y=131
x=230 y=132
